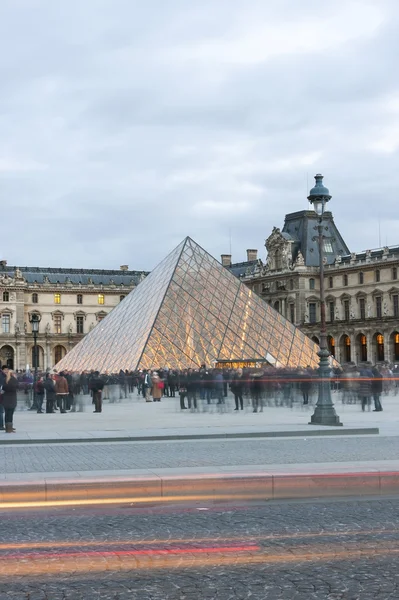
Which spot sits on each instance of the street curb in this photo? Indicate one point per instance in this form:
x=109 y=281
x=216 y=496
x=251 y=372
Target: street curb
x=215 y=487
x=201 y=436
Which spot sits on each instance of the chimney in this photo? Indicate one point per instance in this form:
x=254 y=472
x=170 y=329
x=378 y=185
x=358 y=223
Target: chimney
x=226 y=260
x=124 y=267
x=252 y=255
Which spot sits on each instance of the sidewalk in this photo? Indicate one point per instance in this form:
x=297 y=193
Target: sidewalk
x=133 y=419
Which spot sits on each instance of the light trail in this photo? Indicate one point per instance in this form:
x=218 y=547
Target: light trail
x=199 y=540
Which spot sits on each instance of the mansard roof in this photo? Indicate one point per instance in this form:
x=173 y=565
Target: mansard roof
x=76 y=276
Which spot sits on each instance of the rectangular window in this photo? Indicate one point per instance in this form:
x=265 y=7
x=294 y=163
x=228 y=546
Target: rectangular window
x=330 y=282
x=346 y=310
x=394 y=273
x=57 y=323
x=378 y=307
x=395 y=300
x=328 y=249
x=362 y=306
x=5 y=323
x=292 y=313
x=331 y=309
x=377 y=275
x=345 y=280
x=79 y=324
x=79 y=299
x=101 y=298
x=57 y=298
x=361 y=278
x=312 y=312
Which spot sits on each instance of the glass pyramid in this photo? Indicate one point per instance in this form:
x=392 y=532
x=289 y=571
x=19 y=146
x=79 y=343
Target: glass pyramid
x=190 y=310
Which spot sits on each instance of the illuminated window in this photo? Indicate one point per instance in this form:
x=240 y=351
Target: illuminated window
x=57 y=324
x=328 y=249
x=363 y=348
x=35 y=298
x=6 y=296
x=5 y=323
x=380 y=348
x=101 y=298
x=79 y=299
x=57 y=298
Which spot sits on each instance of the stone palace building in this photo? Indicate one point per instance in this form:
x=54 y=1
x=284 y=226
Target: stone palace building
x=362 y=288
x=70 y=303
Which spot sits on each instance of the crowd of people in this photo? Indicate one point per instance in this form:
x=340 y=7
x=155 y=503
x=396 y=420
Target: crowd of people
x=260 y=387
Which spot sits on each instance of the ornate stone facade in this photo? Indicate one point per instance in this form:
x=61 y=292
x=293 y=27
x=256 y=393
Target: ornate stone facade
x=362 y=289
x=70 y=302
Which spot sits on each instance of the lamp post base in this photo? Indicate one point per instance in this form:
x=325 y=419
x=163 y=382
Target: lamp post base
x=325 y=415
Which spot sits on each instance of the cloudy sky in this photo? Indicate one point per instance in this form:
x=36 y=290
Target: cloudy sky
x=126 y=125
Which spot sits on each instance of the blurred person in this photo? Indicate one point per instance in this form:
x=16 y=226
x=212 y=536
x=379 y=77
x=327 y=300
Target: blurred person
x=61 y=391
x=172 y=382
x=97 y=386
x=49 y=386
x=237 y=387
x=147 y=386
x=365 y=388
x=256 y=391
x=39 y=389
x=84 y=384
x=182 y=388
x=376 y=389
x=157 y=387
x=9 y=399
x=3 y=375
x=192 y=384
x=218 y=383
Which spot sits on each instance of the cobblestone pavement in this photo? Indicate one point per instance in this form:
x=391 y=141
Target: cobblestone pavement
x=337 y=550
x=205 y=453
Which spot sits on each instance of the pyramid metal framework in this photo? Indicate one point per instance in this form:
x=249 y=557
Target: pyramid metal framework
x=190 y=310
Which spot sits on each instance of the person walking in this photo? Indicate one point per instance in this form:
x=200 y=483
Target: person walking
x=97 y=386
x=147 y=386
x=9 y=399
x=49 y=386
x=61 y=391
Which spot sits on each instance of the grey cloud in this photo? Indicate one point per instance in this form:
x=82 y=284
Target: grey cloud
x=112 y=136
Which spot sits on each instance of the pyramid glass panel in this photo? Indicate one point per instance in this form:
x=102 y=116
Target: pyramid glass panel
x=190 y=310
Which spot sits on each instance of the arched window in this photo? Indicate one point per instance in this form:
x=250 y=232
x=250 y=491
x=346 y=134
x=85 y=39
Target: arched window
x=277 y=306
x=361 y=277
x=311 y=284
x=6 y=296
x=79 y=299
x=59 y=353
x=101 y=298
x=363 y=348
x=35 y=298
x=380 y=347
x=331 y=345
x=347 y=348
x=121 y=298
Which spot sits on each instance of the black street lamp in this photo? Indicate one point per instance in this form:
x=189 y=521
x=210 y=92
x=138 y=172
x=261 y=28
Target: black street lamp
x=34 y=320
x=324 y=413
